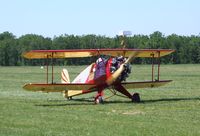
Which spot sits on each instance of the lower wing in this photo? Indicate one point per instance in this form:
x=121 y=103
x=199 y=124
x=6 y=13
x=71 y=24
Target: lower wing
x=59 y=87
x=144 y=84
x=91 y=87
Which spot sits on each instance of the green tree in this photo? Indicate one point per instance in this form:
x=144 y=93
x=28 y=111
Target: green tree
x=8 y=50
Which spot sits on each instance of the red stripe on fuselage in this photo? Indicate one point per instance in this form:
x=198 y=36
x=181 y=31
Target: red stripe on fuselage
x=108 y=65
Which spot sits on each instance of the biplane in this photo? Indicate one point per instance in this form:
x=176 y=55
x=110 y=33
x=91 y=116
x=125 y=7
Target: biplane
x=106 y=73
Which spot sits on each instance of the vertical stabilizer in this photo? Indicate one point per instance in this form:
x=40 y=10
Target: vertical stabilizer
x=65 y=76
x=81 y=78
x=64 y=80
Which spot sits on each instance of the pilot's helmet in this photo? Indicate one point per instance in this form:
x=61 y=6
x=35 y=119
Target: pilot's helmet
x=99 y=60
x=120 y=58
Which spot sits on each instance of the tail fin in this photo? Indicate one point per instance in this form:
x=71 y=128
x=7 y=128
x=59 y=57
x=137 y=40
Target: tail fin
x=65 y=76
x=65 y=79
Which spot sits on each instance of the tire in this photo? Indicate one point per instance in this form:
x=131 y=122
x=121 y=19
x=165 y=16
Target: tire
x=99 y=100
x=136 y=98
x=69 y=98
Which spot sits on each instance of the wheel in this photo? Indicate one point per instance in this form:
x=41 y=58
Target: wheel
x=69 y=98
x=136 y=98
x=99 y=100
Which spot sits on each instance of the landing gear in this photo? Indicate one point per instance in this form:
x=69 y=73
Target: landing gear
x=99 y=100
x=136 y=98
x=69 y=98
x=99 y=97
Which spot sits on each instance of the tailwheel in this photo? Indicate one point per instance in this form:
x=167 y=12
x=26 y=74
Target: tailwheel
x=136 y=98
x=99 y=100
x=69 y=98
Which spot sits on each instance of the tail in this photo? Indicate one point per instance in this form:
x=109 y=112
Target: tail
x=66 y=80
x=65 y=76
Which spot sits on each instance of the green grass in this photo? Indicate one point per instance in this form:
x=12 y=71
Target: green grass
x=173 y=109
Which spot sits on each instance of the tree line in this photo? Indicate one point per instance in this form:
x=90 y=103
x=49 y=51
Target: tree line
x=187 y=47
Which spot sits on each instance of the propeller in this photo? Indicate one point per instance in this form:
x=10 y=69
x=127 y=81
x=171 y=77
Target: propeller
x=119 y=71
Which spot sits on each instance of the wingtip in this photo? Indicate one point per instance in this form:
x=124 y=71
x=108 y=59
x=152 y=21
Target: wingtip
x=27 y=87
x=25 y=55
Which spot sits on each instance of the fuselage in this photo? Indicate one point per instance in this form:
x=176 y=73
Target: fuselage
x=103 y=69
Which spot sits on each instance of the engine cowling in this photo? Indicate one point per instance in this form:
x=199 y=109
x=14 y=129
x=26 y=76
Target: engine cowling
x=115 y=64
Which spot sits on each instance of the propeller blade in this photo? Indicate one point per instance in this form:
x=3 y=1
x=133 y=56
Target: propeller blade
x=131 y=57
x=118 y=72
x=115 y=75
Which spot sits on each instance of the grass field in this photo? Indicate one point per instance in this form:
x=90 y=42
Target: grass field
x=173 y=109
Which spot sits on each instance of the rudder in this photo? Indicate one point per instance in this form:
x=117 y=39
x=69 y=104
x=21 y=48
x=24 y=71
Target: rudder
x=65 y=80
x=65 y=76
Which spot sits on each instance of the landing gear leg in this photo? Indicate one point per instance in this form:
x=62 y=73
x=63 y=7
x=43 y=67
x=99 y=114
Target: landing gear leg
x=136 y=98
x=99 y=98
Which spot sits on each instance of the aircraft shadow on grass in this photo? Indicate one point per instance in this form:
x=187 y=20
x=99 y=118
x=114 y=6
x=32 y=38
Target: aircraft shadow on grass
x=86 y=101
x=171 y=100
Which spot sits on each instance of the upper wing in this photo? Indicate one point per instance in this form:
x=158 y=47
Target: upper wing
x=145 y=53
x=40 y=54
x=59 y=87
x=145 y=84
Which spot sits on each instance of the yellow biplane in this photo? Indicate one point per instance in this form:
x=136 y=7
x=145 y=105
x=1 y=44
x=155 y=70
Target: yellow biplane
x=106 y=73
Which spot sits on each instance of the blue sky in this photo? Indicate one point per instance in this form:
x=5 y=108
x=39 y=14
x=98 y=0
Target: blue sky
x=101 y=17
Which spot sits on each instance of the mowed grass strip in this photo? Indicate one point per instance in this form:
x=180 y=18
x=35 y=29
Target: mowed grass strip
x=173 y=109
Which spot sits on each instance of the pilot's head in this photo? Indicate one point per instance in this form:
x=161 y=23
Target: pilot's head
x=99 y=60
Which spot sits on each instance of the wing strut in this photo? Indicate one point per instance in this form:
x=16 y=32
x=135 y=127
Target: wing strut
x=158 y=66
x=152 y=73
x=52 y=72
x=153 y=64
x=47 y=65
x=52 y=68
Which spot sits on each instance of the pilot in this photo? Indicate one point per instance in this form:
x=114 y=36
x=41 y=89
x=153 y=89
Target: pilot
x=100 y=68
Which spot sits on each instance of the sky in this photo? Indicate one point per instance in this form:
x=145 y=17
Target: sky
x=51 y=18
